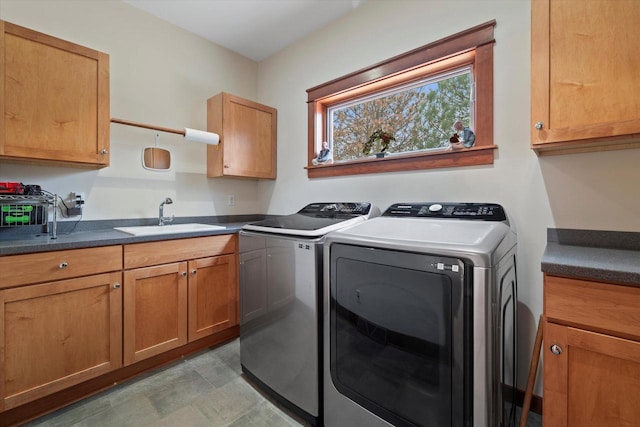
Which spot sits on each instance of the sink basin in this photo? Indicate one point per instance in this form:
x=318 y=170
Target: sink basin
x=149 y=230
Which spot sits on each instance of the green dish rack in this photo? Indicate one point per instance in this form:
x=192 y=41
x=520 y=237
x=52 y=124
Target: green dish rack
x=20 y=210
x=21 y=215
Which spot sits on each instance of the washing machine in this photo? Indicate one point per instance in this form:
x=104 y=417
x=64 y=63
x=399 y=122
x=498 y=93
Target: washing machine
x=280 y=301
x=420 y=318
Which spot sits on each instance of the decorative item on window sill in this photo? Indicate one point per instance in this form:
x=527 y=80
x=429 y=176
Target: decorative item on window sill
x=381 y=139
x=324 y=155
x=463 y=137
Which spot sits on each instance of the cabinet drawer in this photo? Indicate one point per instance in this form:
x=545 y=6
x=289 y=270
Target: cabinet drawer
x=596 y=306
x=48 y=266
x=154 y=253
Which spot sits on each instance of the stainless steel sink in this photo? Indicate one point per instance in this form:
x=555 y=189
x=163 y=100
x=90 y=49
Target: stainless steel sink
x=149 y=230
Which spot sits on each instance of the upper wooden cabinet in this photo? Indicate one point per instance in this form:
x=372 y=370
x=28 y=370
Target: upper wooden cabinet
x=54 y=99
x=247 y=132
x=584 y=75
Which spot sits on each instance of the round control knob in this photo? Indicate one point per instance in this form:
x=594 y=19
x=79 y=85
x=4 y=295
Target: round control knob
x=436 y=207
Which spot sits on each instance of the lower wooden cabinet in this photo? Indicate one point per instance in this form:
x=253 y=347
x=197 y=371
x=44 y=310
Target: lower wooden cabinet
x=58 y=334
x=591 y=354
x=171 y=304
x=75 y=321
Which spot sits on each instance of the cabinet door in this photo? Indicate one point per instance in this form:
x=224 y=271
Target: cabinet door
x=155 y=310
x=58 y=334
x=248 y=133
x=54 y=99
x=213 y=295
x=593 y=382
x=584 y=62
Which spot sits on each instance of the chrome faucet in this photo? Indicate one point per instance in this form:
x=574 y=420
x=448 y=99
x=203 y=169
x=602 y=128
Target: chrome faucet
x=161 y=218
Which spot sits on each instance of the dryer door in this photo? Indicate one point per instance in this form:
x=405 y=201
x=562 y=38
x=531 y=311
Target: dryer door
x=396 y=334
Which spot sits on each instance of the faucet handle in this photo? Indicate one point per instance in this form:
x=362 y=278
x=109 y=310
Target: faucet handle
x=168 y=219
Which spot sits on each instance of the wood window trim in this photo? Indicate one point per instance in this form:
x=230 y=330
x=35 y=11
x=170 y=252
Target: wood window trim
x=474 y=46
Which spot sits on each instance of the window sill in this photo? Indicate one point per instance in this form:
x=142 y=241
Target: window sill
x=442 y=159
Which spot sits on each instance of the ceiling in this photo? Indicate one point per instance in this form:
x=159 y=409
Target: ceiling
x=253 y=28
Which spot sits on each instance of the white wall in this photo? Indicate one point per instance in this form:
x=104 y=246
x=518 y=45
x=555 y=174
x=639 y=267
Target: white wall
x=590 y=191
x=160 y=75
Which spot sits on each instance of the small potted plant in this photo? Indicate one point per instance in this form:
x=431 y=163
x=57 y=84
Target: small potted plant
x=381 y=138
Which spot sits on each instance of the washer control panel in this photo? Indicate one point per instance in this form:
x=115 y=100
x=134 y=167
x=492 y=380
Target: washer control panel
x=466 y=211
x=345 y=208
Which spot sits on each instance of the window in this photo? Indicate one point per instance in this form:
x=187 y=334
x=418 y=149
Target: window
x=418 y=116
x=415 y=99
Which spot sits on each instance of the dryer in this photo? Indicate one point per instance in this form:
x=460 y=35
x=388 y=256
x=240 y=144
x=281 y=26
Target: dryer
x=420 y=318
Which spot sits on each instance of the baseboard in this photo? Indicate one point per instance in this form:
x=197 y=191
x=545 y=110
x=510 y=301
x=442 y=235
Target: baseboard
x=536 y=402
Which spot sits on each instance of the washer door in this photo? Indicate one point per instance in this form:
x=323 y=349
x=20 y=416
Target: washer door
x=396 y=334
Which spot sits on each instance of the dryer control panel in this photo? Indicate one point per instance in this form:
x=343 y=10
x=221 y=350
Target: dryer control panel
x=444 y=210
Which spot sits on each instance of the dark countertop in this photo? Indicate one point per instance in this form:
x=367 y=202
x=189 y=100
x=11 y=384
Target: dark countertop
x=603 y=256
x=87 y=234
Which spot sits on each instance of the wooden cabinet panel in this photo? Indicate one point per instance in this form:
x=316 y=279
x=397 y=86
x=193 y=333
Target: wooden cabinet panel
x=583 y=63
x=58 y=334
x=46 y=266
x=213 y=295
x=155 y=310
x=597 y=306
x=248 y=133
x=54 y=99
x=153 y=253
x=593 y=382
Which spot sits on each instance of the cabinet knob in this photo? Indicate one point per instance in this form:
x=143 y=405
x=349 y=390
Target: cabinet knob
x=184 y=274
x=63 y=265
x=116 y=286
x=194 y=271
x=104 y=151
x=539 y=125
x=556 y=349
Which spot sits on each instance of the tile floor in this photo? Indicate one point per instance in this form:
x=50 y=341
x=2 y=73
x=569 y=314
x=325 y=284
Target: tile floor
x=206 y=389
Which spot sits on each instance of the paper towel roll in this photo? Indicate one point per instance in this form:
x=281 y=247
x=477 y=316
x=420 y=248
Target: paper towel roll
x=201 y=136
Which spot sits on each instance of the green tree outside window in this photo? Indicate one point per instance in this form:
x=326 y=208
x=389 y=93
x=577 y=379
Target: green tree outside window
x=420 y=117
